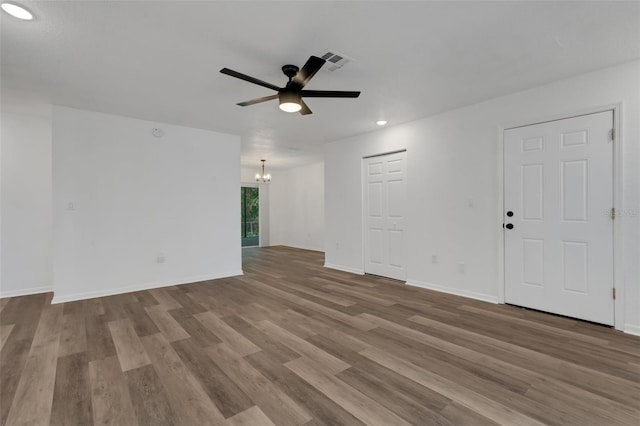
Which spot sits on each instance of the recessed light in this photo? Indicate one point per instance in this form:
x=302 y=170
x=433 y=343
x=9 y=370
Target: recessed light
x=17 y=11
x=381 y=122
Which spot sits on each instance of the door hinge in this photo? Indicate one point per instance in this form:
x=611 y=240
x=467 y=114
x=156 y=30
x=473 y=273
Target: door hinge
x=613 y=213
x=613 y=293
x=613 y=134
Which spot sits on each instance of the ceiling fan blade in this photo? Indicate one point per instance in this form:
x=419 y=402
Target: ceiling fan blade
x=257 y=100
x=305 y=108
x=248 y=78
x=310 y=68
x=329 y=94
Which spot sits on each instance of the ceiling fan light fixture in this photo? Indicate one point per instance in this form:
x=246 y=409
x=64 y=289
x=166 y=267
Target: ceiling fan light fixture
x=264 y=177
x=290 y=106
x=381 y=122
x=290 y=96
x=290 y=101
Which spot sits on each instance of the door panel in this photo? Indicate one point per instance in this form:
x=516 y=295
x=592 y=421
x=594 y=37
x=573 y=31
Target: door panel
x=533 y=261
x=375 y=199
x=574 y=266
x=558 y=182
x=396 y=248
x=532 y=192
x=395 y=199
x=574 y=190
x=384 y=190
x=376 y=246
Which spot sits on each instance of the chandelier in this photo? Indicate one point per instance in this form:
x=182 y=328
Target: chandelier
x=264 y=177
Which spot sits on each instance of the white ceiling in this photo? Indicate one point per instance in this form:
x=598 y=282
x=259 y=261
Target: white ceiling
x=160 y=60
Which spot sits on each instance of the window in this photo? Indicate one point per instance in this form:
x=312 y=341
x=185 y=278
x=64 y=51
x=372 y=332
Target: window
x=250 y=216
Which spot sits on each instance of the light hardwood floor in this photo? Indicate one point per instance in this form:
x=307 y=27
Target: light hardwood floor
x=293 y=343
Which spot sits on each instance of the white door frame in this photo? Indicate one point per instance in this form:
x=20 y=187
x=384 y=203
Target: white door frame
x=363 y=207
x=618 y=147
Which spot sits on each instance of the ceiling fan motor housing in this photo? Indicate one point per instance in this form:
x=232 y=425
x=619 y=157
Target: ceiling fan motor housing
x=288 y=95
x=290 y=70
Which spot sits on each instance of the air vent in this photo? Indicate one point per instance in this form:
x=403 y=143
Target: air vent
x=335 y=60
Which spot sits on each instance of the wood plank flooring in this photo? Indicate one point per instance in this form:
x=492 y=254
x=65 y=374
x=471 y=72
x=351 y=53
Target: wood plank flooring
x=293 y=343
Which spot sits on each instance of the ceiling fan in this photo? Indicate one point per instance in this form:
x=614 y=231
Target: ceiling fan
x=290 y=96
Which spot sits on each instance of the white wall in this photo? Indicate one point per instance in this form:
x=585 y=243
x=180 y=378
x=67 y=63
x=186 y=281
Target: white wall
x=265 y=215
x=122 y=198
x=453 y=163
x=297 y=207
x=25 y=217
x=247 y=175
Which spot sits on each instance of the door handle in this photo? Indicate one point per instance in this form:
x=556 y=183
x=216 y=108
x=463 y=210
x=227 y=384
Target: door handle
x=509 y=226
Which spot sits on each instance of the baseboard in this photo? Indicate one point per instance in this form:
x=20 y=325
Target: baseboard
x=344 y=269
x=25 y=291
x=302 y=247
x=632 y=329
x=139 y=287
x=454 y=291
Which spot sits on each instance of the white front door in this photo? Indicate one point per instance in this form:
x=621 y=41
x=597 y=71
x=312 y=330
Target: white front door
x=384 y=192
x=558 y=195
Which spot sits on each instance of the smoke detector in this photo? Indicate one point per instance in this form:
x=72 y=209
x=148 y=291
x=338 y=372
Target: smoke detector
x=335 y=60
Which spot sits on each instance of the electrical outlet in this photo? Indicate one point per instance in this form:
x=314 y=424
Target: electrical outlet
x=160 y=258
x=337 y=246
x=434 y=258
x=462 y=267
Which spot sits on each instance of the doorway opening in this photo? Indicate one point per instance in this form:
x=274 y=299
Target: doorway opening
x=250 y=216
